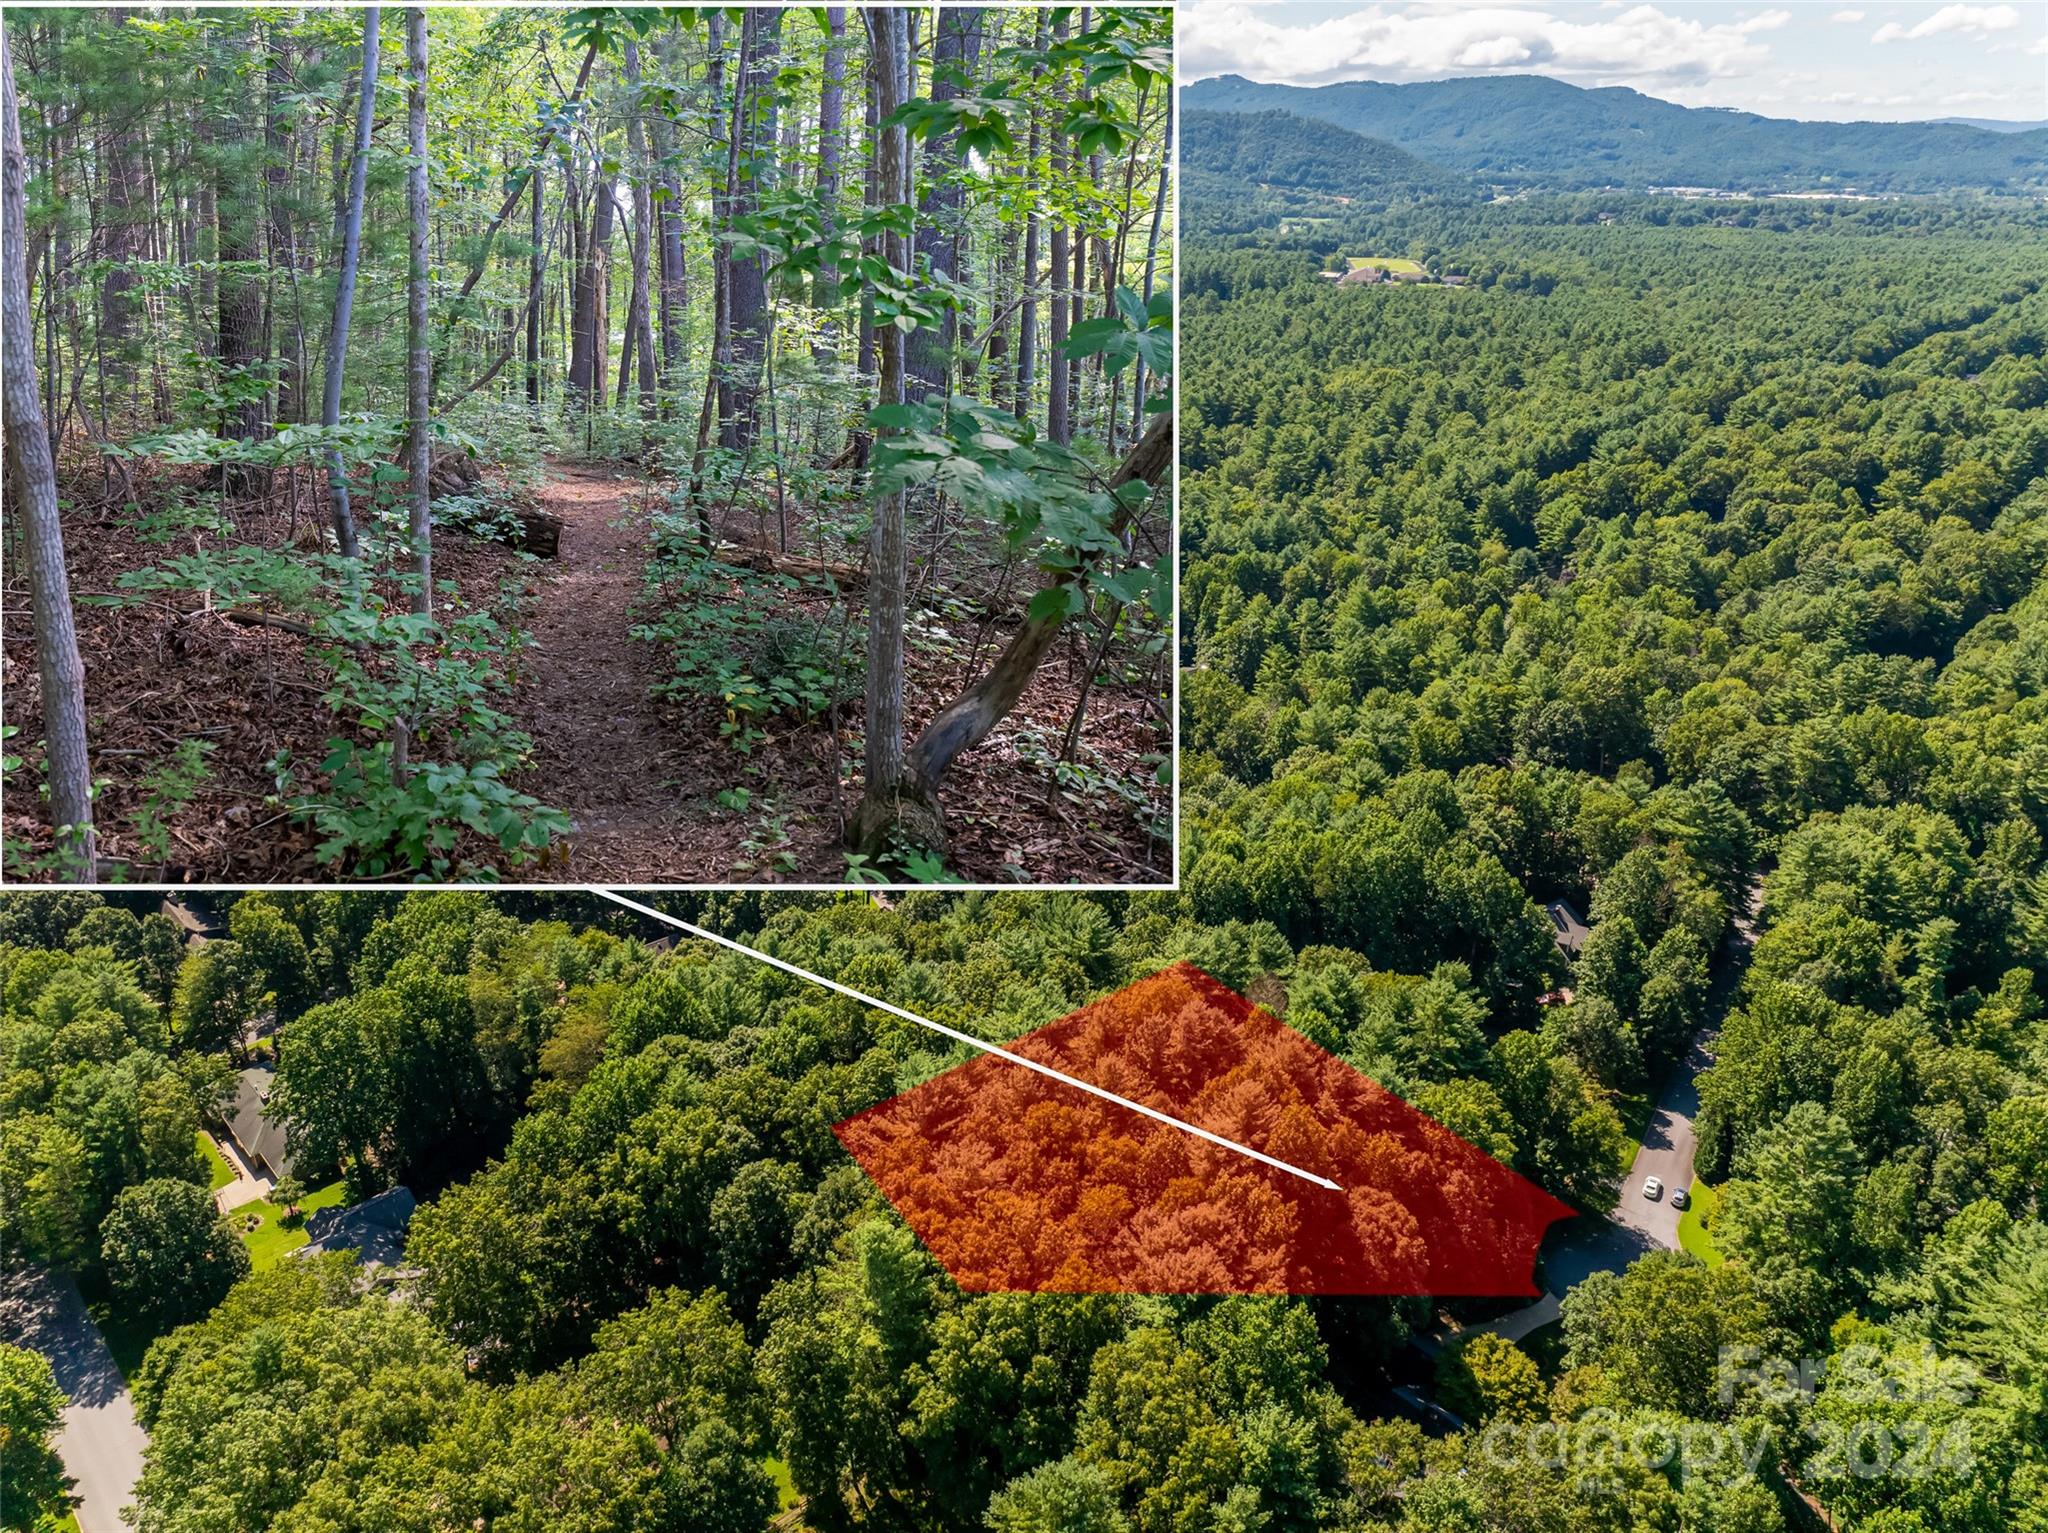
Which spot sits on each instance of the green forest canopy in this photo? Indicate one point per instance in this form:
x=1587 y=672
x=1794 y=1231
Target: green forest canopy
x=1690 y=555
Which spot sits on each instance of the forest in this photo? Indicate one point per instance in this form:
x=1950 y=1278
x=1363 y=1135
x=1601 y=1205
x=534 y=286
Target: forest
x=710 y=444
x=1686 y=565
x=645 y=1287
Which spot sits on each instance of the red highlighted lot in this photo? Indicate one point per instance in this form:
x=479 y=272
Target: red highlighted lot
x=1018 y=1182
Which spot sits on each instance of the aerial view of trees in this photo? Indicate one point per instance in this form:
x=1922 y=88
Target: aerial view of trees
x=1683 y=564
x=1612 y=675
x=646 y=1286
x=691 y=443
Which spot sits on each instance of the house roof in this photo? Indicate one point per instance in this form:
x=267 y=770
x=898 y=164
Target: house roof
x=260 y=1135
x=195 y=922
x=1566 y=927
x=374 y=1229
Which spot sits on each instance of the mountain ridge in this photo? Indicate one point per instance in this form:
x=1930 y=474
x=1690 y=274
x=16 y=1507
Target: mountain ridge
x=1303 y=154
x=1531 y=130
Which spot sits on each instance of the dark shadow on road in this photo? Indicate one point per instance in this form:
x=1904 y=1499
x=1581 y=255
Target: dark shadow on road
x=43 y=1315
x=1587 y=1245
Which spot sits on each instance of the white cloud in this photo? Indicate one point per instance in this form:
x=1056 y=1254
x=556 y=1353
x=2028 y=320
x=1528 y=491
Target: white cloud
x=1848 y=15
x=1640 y=46
x=1973 y=21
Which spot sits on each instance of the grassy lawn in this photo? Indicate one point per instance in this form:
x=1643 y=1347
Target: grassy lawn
x=785 y=1488
x=216 y=1163
x=1385 y=263
x=1694 y=1223
x=272 y=1238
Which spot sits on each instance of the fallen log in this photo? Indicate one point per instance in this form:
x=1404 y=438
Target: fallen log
x=771 y=561
x=257 y=620
x=540 y=532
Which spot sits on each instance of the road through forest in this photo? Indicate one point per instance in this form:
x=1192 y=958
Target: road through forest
x=98 y=1438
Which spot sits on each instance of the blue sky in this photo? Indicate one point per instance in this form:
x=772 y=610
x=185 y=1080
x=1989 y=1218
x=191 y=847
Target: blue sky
x=1839 y=59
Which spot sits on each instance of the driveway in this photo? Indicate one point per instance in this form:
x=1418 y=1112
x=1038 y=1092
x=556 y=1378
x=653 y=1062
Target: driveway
x=1638 y=1225
x=98 y=1439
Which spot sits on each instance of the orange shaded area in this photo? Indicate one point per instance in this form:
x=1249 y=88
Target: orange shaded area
x=1018 y=1182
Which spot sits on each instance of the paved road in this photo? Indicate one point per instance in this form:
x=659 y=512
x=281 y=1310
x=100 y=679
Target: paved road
x=1638 y=1226
x=99 y=1441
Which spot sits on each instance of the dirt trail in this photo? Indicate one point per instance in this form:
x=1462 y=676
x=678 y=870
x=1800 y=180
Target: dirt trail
x=602 y=754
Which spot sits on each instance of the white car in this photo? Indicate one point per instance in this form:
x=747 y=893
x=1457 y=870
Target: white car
x=1653 y=1189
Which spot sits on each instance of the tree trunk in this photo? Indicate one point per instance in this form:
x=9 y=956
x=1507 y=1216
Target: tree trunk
x=590 y=339
x=1077 y=310
x=966 y=721
x=419 y=362
x=640 y=335
x=240 y=319
x=831 y=140
x=716 y=387
x=956 y=46
x=1152 y=258
x=32 y=473
x=881 y=810
x=1027 y=322
x=748 y=321
x=870 y=245
x=351 y=240
x=1058 y=423
x=122 y=227
x=284 y=255
x=675 y=276
x=535 y=270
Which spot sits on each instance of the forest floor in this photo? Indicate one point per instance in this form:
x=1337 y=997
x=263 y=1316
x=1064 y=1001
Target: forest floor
x=655 y=792
x=601 y=751
x=658 y=796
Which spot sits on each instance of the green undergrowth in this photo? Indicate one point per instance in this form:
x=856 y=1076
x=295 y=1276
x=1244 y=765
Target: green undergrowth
x=444 y=808
x=734 y=636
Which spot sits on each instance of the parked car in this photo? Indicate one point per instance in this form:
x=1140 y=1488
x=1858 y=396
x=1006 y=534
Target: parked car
x=1653 y=1189
x=1679 y=1197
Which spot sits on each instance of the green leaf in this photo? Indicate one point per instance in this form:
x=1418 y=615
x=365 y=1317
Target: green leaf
x=1054 y=603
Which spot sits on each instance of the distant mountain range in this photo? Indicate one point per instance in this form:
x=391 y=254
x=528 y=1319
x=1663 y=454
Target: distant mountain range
x=1993 y=124
x=1299 y=154
x=1530 y=130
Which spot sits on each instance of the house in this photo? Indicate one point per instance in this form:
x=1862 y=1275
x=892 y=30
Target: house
x=1361 y=275
x=374 y=1229
x=257 y=1134
x=196 y=921
x=1566 y=927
